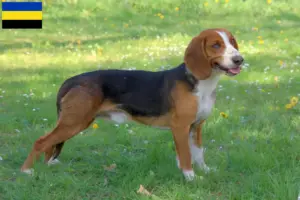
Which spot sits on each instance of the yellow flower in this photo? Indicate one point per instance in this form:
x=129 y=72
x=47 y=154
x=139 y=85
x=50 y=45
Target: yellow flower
x=269 y=1
x=259 y=37
x=254 y=29
x=278 y=22
x=125 y=25
x=222 y=114
x=281 y=32
x=177 y=9
x=286 y=40
x=205 y=4
x=100 y=51
x=95 y=126
x=281 y=62
x=161 y=16
x=217 y=1
x=294 y=100
x=226 y=1
x=78 y=42
x=261 y=42
x=288 y=106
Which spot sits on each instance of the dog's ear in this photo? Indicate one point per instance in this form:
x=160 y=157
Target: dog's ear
x=233 y=42
x=196 y=59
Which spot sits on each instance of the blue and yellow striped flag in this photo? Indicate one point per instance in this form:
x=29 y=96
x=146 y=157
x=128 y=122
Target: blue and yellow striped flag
x=22 y=15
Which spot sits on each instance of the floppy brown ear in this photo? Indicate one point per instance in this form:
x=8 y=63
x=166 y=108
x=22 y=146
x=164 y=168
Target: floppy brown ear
x=234 y=43
x=196 y=59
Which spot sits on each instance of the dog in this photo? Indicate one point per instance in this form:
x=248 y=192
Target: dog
x=179 y=99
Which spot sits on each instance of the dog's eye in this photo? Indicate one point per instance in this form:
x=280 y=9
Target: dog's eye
x=232 y=41
x=216 y=46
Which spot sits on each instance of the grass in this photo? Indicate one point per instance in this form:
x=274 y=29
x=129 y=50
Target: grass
x=256 y=149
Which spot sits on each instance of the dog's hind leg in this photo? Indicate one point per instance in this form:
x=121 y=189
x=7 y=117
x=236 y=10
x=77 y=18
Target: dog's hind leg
x=52 y=153
x=78 y=110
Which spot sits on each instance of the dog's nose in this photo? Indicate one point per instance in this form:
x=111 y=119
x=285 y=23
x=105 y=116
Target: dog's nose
x=238 y=60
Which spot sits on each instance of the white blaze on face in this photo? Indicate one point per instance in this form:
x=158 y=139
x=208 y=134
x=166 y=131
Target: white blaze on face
x=229 y=51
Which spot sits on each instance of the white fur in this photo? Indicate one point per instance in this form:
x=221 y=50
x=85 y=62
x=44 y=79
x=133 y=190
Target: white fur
x=229 y=52
x=189 y=174
x=197 y=155
x=28 y=171
x=52 y=161
x=204 y=90
x=118 y=117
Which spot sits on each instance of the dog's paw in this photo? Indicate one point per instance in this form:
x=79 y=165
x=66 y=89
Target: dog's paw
x=189 y=175
x=28 y=171
x=53 y=162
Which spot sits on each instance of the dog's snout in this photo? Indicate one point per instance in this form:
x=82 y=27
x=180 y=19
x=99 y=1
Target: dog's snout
x=238 y=60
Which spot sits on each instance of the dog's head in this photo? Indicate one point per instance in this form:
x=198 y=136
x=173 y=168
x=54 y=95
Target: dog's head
x=213 y=50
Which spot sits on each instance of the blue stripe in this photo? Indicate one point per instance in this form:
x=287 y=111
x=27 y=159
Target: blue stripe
x=22 y=6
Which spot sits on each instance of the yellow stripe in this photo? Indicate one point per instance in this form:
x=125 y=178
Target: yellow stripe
x=22 y=15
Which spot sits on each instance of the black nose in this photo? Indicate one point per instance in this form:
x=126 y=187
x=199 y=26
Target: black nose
x=237 y=60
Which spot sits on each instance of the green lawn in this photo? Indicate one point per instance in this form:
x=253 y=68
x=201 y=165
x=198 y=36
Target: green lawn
x=256 y=149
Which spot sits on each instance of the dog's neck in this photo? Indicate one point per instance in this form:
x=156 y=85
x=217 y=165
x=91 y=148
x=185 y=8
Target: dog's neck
x=190 y=77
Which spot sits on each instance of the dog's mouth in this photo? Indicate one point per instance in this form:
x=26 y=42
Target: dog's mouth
x=229 y=71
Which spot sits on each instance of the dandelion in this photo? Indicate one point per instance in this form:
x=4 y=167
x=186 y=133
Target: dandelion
x=126 y=25
x=254 y=29
x=261 y=41
x=205 y=4
x=280 y=62
x=79 y=42
x=286 y=40
x=294 y=100
x=95 y=126
x=288 y=106
x=226 y=1
x=269 y=1
x=161 y=16
x=99 y=51
x=217 y=1
x=222 y=114
x=176 y=9
x=259 y=37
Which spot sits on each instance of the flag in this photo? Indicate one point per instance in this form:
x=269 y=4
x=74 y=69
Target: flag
x=22 y=15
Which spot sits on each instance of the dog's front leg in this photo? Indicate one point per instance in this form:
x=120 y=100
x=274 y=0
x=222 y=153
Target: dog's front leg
x=196 y=147
x=184 y=159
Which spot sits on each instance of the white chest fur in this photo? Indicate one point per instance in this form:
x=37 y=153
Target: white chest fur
x=205 y=92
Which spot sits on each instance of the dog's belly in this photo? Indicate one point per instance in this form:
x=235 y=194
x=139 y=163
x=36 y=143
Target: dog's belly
x=115 y=116
x=119 y=117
